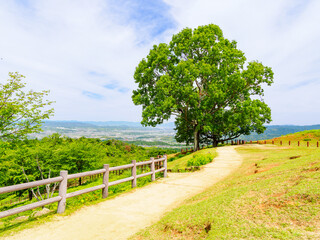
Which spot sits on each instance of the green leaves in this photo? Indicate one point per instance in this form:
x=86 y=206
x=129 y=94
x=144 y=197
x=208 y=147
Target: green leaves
x=21 y=112
x=199 y=78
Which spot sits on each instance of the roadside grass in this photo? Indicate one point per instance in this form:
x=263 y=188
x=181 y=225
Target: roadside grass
x=18 y=222
x=275 y=194
x=182 y=161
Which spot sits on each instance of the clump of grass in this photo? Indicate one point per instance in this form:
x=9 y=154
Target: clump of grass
x=182 y=163
x=199 y=160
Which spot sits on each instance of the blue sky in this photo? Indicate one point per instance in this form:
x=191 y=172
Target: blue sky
x=85 y=52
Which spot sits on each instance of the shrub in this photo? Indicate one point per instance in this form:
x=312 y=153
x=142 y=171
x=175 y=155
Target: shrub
x=199 y=160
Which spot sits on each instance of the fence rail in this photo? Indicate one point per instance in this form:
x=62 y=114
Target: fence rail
x=63 y=184
x=290 y=143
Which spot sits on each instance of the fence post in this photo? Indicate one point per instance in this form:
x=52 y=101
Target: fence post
x=298 y=143
x=307 y=144
x=317 y=144
x=153 y=175
x=105 y=181
x=63 y=192
x=289 y=143
x=281 y=143
x=134 y=173
x=165 y=166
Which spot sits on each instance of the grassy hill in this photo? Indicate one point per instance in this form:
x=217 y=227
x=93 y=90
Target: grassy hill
x=275 y=194
x=308 y=135
x=274 y=131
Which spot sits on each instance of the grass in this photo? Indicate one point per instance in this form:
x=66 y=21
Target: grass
x=275 y=194
x=311 y=136
x=182 y=160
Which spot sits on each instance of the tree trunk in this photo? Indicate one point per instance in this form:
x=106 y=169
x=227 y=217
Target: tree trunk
x=196 y=139
x=215 y=143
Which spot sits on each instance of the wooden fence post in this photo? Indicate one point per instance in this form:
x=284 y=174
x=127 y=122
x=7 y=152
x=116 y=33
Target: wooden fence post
x=134 y=173
x=298 y=143
x=63 y=192
x=281 y=143
x=317 y=144
x=153 y=175
x=165 y=166
x=289 y=143
x=105 y=180
x=307 y=144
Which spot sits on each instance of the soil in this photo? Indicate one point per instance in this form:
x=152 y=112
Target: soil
x=123 y=216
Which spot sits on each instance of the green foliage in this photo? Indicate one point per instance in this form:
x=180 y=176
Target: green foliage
x=199 y=160
x=200 y=77
x=57 y=153
x=21 y=111
x=181 y=161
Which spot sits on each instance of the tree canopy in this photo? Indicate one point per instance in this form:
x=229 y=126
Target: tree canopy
x=203 y=80
x=21 y=112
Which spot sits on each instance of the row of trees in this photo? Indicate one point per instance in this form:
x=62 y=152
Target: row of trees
x=202 y=80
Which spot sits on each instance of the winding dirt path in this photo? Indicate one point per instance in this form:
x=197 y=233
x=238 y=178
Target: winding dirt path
x=120 y=217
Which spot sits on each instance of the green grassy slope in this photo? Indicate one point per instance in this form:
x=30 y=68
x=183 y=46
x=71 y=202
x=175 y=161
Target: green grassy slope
x=275 y=194
x=308 y=135
x=182 y=162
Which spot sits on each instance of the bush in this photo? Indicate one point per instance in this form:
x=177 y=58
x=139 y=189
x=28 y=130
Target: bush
x=199 y=160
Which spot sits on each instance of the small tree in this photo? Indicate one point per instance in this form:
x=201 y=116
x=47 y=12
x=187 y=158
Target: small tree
x=21 y=112
x=198 y=75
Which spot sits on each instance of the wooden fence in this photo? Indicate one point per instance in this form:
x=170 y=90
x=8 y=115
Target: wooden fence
x=290 y=143
x=191 y=150
x=77 y=182
x=63 y=184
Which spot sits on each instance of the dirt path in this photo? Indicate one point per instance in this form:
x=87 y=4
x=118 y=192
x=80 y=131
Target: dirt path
x=120 y=217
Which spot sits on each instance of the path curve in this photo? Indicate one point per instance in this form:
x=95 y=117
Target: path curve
x=122 y=216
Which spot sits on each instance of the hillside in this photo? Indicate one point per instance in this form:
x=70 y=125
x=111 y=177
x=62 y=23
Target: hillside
x=275 y=194
x=308 y=135
x=274 y=131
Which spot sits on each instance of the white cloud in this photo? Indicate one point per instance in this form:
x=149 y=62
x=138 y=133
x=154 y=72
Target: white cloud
x=76 y=47
x=56 y=44
x=281 y=34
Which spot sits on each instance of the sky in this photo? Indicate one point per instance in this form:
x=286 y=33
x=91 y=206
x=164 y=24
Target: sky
x=85 y=52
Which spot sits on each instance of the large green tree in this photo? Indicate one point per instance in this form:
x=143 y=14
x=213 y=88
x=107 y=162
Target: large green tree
x=198 y=75
x=227 y=124
x=21 y=111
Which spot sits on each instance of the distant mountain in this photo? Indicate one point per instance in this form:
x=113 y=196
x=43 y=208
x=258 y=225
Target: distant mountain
x=67 y=124
x=273 y=131
x=73 y=124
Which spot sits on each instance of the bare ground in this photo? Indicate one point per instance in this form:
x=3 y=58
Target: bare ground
x=120 y=217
